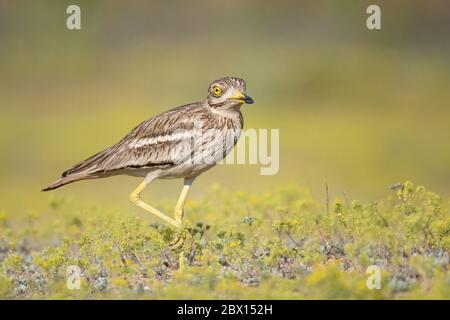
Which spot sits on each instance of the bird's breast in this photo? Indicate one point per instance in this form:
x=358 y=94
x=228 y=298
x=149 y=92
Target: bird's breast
x=210 y=139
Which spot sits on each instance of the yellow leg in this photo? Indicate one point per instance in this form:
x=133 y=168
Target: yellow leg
x=179 y=213
x=135 y=197
x=179 y=208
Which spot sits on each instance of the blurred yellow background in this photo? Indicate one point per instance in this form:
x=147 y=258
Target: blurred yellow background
x=359 y=109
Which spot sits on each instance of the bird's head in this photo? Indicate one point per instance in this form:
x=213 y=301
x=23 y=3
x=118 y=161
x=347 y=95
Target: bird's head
x=228 y=93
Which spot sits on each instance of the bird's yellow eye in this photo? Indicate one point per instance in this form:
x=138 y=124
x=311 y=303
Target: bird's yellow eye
x=217 y=91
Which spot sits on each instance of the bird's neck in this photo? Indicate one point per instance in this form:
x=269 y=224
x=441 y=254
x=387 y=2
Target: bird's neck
x=231 y=112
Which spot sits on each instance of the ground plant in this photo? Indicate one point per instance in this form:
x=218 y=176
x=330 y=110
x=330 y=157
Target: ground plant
x=280 y=244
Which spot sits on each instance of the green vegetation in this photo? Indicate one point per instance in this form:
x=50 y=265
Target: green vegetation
x=276 y=245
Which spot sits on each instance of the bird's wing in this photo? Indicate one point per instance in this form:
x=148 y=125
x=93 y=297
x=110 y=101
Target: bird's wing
x=161 y=141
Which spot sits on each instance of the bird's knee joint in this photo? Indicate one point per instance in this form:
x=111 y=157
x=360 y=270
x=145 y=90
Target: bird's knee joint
x=179 y=212
x=135 y=198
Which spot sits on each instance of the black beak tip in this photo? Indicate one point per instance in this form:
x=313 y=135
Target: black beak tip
x=249 y=100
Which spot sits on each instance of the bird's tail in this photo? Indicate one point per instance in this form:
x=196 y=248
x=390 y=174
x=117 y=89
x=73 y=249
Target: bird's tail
x=65 y=180
x=86 y=169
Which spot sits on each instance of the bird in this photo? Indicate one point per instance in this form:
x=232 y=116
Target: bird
x=182 y=143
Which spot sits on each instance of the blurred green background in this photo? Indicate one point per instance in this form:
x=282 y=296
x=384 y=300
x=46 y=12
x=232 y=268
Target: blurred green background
x=359 y=109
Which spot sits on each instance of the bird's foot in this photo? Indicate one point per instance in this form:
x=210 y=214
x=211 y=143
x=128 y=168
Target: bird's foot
x=177 y=243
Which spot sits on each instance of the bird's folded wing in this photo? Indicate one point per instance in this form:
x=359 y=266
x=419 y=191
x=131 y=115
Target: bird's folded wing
x=163 y=141
x=149 y=151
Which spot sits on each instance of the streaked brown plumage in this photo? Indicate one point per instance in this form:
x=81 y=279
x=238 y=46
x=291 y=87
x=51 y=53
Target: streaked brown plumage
x=166 y=145
x=148 y=146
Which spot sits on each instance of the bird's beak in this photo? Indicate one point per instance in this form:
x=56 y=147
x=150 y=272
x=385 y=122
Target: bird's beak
x=242 y=97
